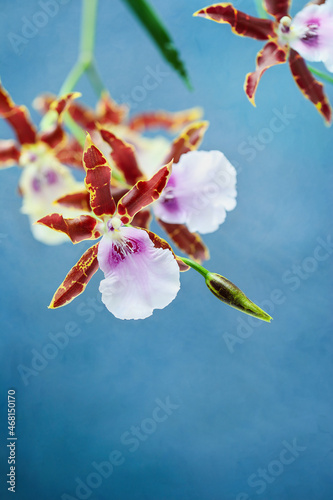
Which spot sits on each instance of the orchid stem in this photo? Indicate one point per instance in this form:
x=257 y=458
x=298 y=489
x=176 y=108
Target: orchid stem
x=197 y=267
x=260 y=9
x=320 y=74
x=263 y=14
x=85 y=64
x=86 y=60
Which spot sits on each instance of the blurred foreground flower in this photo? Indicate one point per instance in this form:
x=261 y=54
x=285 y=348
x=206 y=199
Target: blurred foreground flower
x=308 y=35
x=43 y=178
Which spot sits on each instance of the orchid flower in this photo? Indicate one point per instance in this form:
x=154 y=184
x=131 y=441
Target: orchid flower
x=311 y=33
x=141 y=272
x=43 y=178
x=114 y=117
x=308 y=35
x=200 y=190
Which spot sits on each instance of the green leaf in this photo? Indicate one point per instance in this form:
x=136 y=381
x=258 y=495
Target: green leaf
x=156 y=29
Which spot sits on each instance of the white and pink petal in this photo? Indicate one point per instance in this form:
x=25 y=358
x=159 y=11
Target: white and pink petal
x=202 y=187
x=139 y=276
x=311 y=33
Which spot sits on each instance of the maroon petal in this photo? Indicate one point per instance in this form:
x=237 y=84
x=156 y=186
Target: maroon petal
x=309 y=86
x=241 y=24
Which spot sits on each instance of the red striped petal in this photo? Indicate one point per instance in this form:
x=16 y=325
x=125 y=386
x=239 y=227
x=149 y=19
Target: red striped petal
x=142 y=219
x=277 y=8
x=77 y=278
x=71 y=153
x=123 y=154
x=79 y=200
x=83 y=116
x=109 y=112
x=309 y=86
x=9 y=153
x=241 y=24
x=78 y=229
x=172 y=122
x=54 y=136
x=98 y=180
x=269 y=56
x=189 y=140
x=143 y=194
x=18 y=117
x=60 y=105
x=189 y=243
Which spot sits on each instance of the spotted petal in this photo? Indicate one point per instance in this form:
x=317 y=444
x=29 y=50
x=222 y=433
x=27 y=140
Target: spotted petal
x=189 y=140
x=141 y=274
x=269 y=56
x=143 y=194
x=309 y=86
x=98 y=180
x=172 y=122
x=78 y=229
x=123 y=155
x=77 y=278
x=277 y=8
x=241 y=24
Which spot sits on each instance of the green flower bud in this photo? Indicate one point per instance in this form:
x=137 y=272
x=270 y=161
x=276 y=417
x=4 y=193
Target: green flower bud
x=229 y=293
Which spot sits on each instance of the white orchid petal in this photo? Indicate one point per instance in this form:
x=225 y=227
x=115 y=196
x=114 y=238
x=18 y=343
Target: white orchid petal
x=138 y=276
x=201 y=189
x=311 y=33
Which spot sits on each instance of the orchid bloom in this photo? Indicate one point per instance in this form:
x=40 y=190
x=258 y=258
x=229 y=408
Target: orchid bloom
x=114 y=117
x=43 y=177
x=309 y=35
x=310 y=32
x=201 y=188
x=140 y=269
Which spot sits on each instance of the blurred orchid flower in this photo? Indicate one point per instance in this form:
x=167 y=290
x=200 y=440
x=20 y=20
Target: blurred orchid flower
x=308 y=35
x=43 y=178
x=310 y=32
x=141 y=271
x=110 y=116
x=201 y=188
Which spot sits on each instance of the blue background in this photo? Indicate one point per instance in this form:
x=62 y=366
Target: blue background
x=237 y=403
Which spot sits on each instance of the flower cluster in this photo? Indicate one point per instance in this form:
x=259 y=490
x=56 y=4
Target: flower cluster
x=308 y=35
x=129 y=178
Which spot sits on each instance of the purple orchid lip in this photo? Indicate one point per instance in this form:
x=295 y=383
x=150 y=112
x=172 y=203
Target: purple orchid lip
x=36 y=185
x=311 y=35
x=51 y=177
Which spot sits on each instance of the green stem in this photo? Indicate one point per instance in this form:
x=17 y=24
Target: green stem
x=323 y=76
x=260 y=9
x=85 y=64
x=195 y=266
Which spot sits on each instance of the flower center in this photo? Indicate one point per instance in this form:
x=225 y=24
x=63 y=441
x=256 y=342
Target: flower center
x=114 y=224
x=311 y=34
